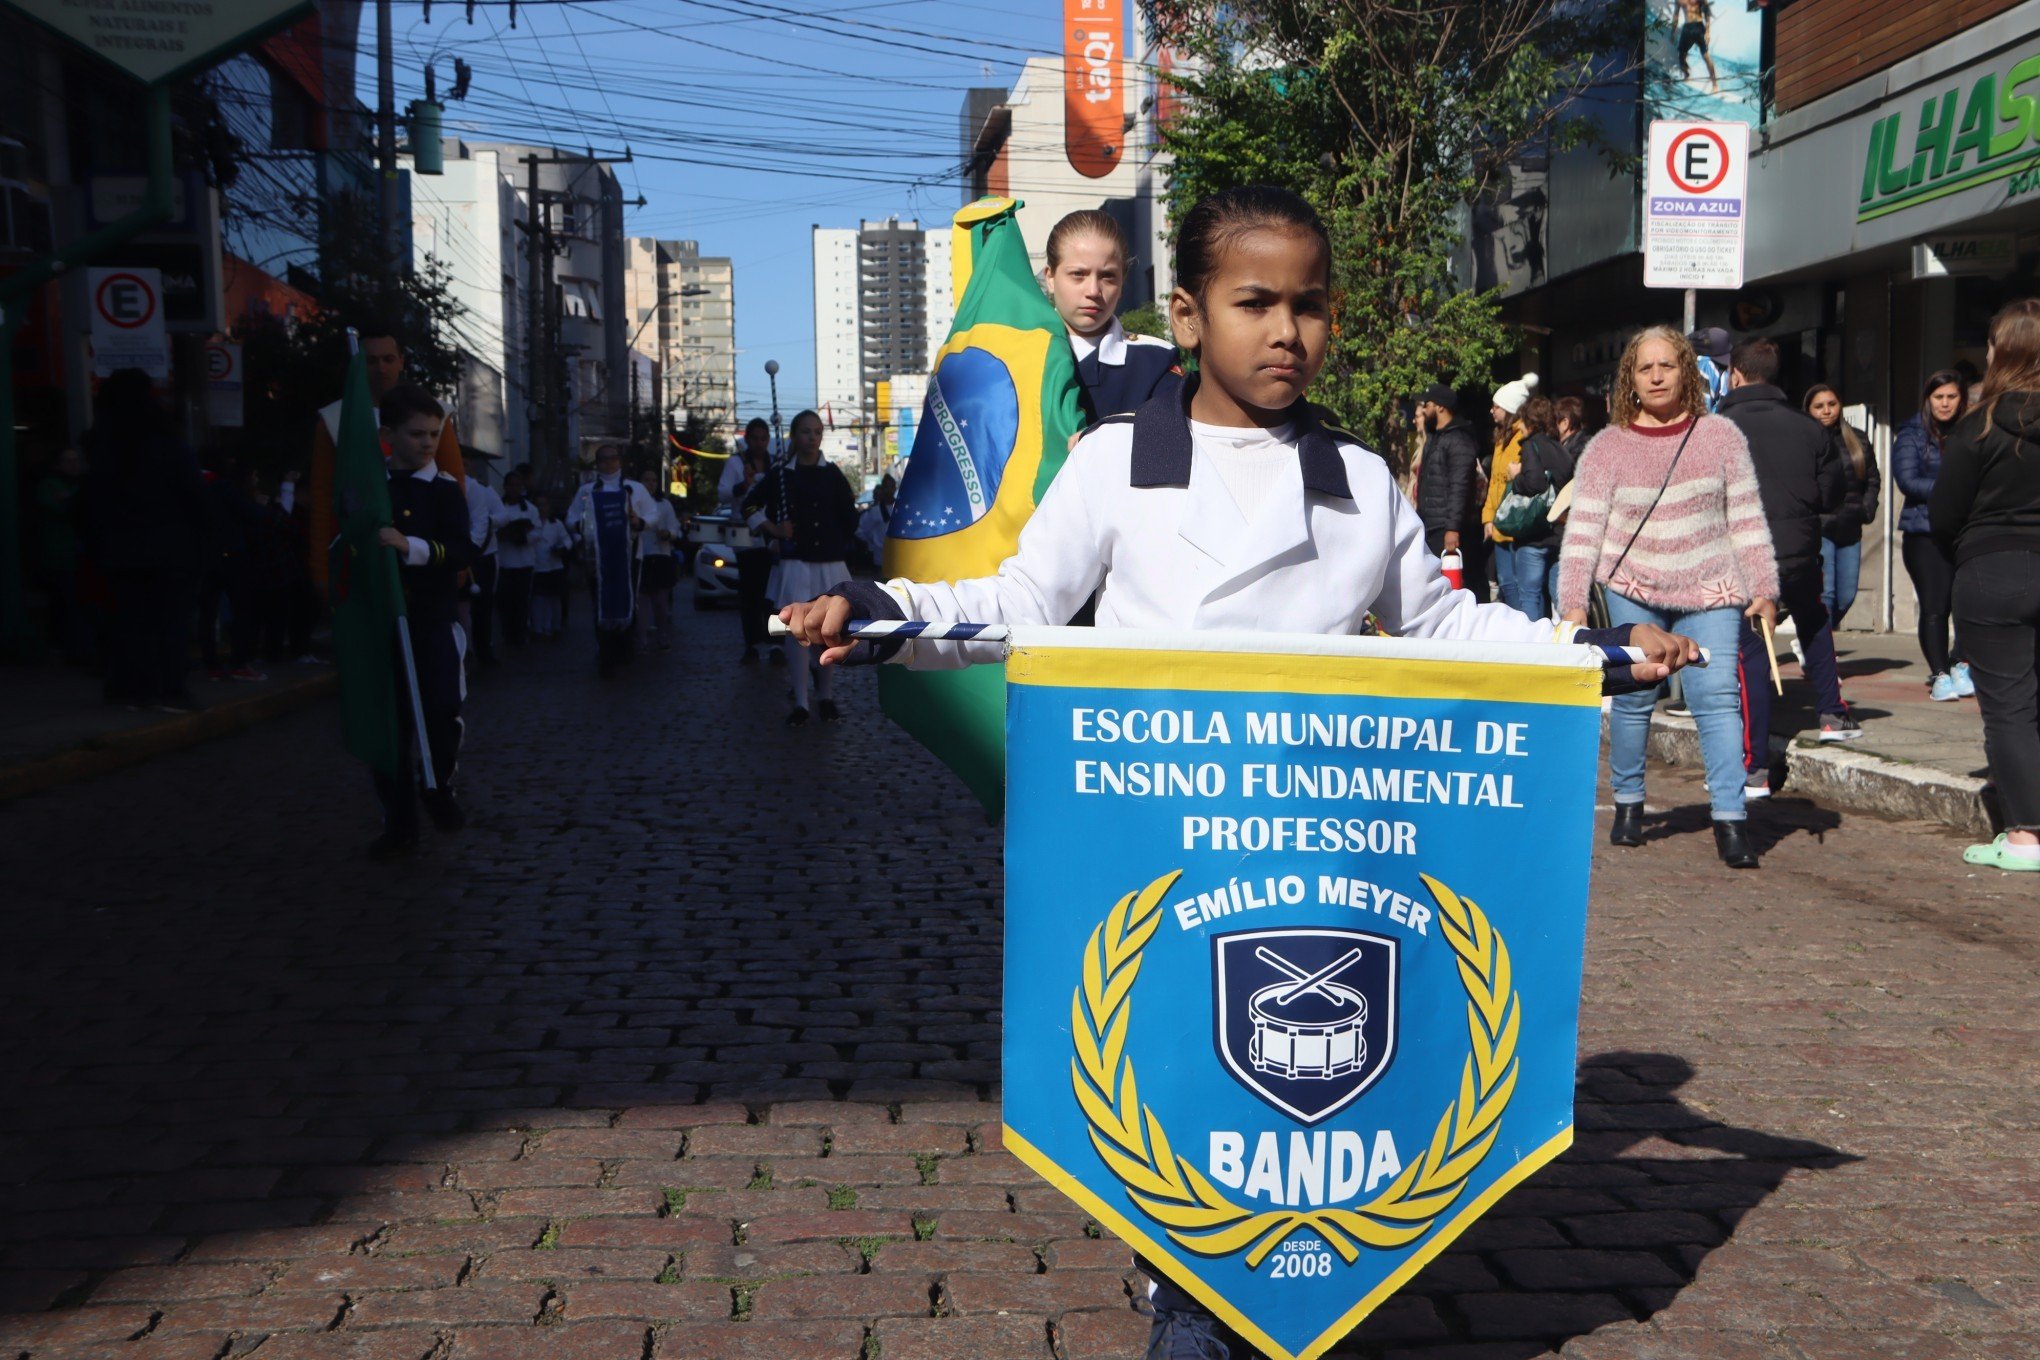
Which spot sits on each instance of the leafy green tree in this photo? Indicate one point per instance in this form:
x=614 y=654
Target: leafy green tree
x=1392 y=119
x=1146 y=319
x=293 y=372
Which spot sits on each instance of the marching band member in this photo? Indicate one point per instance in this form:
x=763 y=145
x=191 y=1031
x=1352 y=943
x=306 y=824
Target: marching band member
x=551 y=545
x=1087 y=263
x=658 y=569
x=808 y=506
x=516 y=558
x=608 y=512
x=433 y=545
x=1227 y=503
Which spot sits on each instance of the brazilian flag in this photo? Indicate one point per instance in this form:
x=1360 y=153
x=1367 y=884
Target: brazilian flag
x=1002 y=405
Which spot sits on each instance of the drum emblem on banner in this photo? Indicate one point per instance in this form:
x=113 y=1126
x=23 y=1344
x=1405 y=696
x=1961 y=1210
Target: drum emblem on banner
x=1305 y=1018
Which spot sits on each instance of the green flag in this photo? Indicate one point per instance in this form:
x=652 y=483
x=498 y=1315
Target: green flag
x=368 y=597
x=1002 y=404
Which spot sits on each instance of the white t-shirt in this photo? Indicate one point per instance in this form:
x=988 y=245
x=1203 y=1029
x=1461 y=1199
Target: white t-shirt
x=1250 y=461
x=546 y=537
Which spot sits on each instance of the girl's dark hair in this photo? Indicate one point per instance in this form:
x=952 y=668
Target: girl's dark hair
x=757 y=423
x=1569 y=408
x=1538 y=417
x=1946 y=377
x=815 y=416
x=1086 y=222
x=1210 y=227
x=1852 y=443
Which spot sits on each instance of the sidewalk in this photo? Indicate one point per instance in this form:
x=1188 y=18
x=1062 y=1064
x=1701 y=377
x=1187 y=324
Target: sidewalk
x=1916 y=759
x=54 y=728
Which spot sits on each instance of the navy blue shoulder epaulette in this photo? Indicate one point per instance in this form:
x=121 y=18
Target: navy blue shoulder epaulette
x=1120 y=418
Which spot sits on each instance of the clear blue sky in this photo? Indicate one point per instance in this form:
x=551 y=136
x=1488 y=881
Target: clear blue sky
x=750 y=120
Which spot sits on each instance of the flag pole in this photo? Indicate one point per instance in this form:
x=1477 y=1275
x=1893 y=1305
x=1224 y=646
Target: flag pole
x=417 y=704
x=404 y=644
x=879 y=630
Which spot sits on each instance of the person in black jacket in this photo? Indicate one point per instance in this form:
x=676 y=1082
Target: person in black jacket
x=1545 y=464
x=807 y=506
x=1841 y=533
x=433 y=545
x=1448 y=485
x=1985 y=513
x=148 y=521
x=1799 y=476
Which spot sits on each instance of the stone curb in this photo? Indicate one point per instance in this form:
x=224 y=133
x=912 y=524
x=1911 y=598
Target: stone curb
x=118 y=750
x=1859 y=781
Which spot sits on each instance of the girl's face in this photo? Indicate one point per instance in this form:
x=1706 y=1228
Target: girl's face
x=1260 y=329
x=1825 y=408
x=1085 y=284
x=1944 y=401
x=1658 y=379
x=807 y=439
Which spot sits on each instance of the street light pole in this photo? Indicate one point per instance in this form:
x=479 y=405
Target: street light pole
x=772 y=372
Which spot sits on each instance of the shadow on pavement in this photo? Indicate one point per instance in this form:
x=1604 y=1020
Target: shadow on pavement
x=1610 y=1232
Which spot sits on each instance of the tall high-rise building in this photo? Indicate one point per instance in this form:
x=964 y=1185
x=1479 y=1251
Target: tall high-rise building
x=682 y=312
x=883 y=305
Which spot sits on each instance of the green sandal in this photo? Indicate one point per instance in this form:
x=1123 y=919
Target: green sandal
x=1995 y=856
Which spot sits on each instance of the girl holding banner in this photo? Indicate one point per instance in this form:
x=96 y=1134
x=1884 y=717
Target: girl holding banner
x=1288 y=525
x=1230 y=504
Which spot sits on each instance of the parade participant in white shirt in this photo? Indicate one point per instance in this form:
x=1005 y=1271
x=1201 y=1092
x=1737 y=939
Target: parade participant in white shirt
x=1229 y=504
x=1088 y=260
x=658 y=569
x=551 y=545
x=478 y=601
x=516 y=558
x=608 y=513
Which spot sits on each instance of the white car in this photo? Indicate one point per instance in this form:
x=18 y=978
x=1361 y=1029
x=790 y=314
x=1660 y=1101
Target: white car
x=715 y=560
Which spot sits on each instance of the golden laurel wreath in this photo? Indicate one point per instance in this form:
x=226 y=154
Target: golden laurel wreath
x=1174 y=1193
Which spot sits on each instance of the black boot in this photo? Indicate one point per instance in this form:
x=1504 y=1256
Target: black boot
x=1732 y=840
x=1628 y=827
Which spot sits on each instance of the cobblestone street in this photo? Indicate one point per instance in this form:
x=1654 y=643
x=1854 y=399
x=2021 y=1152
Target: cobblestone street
x=688 y=1047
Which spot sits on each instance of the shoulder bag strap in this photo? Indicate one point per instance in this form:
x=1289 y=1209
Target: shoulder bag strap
x=1676 y=455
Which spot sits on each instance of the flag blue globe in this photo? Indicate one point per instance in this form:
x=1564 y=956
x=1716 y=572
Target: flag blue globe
x=967 y=432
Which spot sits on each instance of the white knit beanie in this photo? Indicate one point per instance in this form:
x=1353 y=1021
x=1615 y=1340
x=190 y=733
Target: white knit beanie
x=1510 y=396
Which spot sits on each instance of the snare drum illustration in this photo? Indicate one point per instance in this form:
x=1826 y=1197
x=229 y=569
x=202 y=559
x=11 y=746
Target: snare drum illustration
x=1310 y=1026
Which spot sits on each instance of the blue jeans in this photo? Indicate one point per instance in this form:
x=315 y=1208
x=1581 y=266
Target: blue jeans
x=1536 y=578
x=1841 y=565
x=1505 y=572
x=1712 y=692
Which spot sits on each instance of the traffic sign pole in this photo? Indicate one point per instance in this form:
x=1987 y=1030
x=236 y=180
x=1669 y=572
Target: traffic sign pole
x=18 y=641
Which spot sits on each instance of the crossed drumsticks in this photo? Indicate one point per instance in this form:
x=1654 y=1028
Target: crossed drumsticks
x=1305 y=980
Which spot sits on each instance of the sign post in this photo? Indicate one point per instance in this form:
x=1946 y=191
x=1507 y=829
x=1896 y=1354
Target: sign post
x=127 y=322
x=223 y=384
x=207 y=30
x=1695 y=207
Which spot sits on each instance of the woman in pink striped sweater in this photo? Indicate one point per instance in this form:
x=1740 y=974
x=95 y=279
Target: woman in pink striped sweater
x=1665 y=514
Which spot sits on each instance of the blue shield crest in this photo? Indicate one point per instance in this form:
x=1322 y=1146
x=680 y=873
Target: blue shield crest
x=1305 y=1019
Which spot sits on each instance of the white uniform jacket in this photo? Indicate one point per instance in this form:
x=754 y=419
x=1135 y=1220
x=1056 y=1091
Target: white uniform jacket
x=1139 y=518
x=584 y=503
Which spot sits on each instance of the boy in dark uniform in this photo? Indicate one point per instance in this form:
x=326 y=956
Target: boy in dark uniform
x=431 y=540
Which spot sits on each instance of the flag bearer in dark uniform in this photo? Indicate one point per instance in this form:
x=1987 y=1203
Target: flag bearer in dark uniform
x=433 y=545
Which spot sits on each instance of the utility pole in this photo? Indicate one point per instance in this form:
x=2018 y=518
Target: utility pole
x=547 y=360
x=386 y=139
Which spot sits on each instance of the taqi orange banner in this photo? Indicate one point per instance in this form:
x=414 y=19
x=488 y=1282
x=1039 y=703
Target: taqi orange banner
x=1094 y=102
